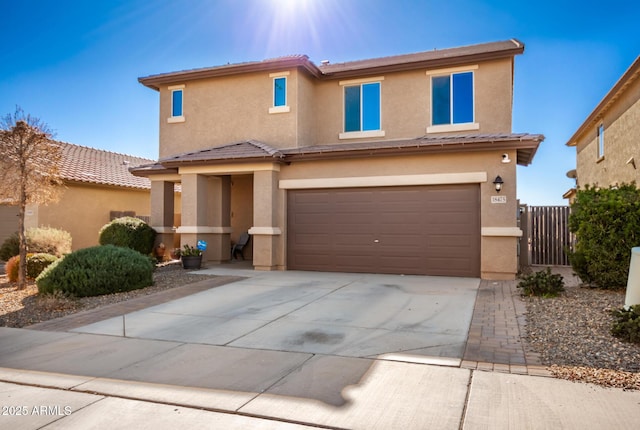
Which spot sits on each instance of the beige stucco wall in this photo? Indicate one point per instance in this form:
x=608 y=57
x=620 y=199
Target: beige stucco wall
x=621 y=142
x=84 y=209
x=406 y=103
x=226 y=110
x=8 y=221
x=235 y=108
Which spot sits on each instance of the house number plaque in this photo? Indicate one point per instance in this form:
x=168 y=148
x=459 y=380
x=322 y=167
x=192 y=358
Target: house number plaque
x=498 y=199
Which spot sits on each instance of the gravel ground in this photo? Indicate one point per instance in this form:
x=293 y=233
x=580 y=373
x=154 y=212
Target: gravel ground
x=21 y=308
x=571 y=333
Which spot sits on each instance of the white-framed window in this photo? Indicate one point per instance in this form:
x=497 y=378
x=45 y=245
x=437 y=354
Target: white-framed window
x=453 y=100
x=362 y=108
x=280 y=96
x=177 y=103
x=600 y=136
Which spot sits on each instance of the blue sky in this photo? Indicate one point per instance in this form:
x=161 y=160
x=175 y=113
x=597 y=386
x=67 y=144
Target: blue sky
x=75 y=64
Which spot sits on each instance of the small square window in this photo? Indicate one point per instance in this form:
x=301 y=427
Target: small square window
x=601 y=141
x=176 y=103
x=362 y=107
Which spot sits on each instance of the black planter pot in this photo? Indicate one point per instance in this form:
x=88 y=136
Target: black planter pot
x=191 y=261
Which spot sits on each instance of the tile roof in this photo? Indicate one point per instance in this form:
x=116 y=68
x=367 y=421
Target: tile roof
x=249 y=150
x=426 y=59
x=525 y=145
x=434 y=57
x=96 y=166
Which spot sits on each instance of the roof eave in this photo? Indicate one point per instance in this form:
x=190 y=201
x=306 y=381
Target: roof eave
x=156 y=81
x=175 y=164
x=632 y=73
x=426 y=64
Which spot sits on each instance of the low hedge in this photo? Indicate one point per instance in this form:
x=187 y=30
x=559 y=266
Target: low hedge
x=129 y=232
x=36 y=263
x=45 y=240
x=97 y=271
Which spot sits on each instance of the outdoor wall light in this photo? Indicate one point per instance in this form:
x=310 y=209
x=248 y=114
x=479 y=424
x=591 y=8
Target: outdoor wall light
x=498 y=183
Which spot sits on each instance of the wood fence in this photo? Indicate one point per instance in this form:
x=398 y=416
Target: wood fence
x=545 y=236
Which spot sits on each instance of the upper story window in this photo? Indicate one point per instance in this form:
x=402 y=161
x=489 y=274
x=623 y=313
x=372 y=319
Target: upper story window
x=600 y=141
x=279 y=92
x=362 y=108
x=177 y=95
x=452 y=100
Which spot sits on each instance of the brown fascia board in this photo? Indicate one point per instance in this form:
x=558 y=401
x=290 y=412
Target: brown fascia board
x=526 y=148
x=217 y=161
x=151 y=169
x=155 y=81
x=632 y=73
x=427 y=60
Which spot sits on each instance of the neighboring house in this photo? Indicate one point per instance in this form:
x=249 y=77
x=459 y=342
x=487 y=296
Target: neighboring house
x=384 y=165
x=608 y=141
x=98 y=187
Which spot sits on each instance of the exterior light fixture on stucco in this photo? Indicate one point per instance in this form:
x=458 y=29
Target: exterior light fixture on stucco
x=498 y=183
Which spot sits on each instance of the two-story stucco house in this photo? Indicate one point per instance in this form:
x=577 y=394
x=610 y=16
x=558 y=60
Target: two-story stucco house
x=608 y=141
x=403 y=164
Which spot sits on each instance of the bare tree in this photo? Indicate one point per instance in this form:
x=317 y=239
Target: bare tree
x=29 y=170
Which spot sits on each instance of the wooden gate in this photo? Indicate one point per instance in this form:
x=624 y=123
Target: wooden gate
x=545 y=236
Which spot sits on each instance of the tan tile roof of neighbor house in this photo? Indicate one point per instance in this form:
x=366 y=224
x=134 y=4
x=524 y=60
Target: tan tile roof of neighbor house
x=427 y=59
x=96 y=166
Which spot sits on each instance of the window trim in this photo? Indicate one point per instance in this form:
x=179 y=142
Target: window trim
x=359 y=134
x=282 y=108
x=600 y=142
x=463 y=126
x=177 y=118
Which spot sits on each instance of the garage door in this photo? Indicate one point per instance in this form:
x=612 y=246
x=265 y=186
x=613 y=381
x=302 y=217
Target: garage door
x=424 y=230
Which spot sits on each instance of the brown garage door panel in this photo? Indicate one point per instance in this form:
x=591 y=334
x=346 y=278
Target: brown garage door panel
x=433 y=230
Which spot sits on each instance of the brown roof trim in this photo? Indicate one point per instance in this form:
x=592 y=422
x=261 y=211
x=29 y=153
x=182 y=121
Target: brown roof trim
x=248 y=151
x=525 y=144
x=632 y=73
x=427 y=60
x=152 y=169
x=155 y=81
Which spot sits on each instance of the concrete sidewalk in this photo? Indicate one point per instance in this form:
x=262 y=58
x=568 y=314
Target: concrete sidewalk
x=75 y=379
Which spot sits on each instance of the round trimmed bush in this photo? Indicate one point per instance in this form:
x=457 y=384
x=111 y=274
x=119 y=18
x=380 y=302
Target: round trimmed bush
x=129 y=232
x=96 y=271
x=36 y=263
x=10 y=247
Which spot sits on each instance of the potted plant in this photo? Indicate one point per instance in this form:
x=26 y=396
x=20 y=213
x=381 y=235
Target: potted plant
x=175 y=253
x=191 y=257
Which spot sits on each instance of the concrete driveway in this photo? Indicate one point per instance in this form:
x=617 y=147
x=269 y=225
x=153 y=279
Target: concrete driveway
x=341 y=314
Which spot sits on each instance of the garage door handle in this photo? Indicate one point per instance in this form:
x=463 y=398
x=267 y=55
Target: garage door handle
x=376 y=241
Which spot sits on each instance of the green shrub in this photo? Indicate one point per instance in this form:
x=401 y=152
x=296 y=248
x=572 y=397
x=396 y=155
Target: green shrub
x=627 y=324
x=10 y=247
x=96 y=271
x=607 y=225
x=543 y=283
x=129 y=232
x=36 y=263
x=45 y=240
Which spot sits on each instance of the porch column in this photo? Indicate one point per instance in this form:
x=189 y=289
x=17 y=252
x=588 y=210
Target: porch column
x=162 y=208
x=266 y=232
x=206 y=214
